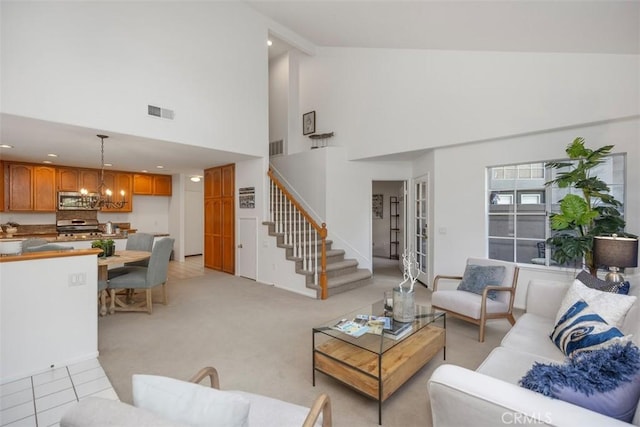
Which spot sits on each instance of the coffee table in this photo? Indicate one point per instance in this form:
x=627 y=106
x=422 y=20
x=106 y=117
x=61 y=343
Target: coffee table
x=377 y=365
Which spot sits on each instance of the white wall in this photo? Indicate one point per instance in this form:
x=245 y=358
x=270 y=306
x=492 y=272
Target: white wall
x=45 y=322
x=458 y=223
x=99 y=64
x=382 y=101
x=279 y=98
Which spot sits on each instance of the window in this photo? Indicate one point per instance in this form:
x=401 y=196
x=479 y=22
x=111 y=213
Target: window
x=518 y=203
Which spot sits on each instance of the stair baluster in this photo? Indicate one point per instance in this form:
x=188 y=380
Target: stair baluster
x=300 y=231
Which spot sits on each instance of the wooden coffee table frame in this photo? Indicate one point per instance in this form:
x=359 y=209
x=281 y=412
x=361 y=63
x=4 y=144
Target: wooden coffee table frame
x=377 y=374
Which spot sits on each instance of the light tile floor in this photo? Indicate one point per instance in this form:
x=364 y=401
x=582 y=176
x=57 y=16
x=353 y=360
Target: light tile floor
x=40 y=400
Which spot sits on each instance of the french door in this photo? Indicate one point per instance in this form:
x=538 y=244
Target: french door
x=421 y=231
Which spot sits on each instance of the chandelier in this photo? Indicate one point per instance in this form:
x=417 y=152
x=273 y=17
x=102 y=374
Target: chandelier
x=104 y=197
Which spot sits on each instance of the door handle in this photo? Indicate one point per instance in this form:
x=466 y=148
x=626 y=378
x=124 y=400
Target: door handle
x=240 y=246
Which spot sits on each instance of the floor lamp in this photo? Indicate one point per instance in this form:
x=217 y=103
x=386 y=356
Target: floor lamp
x=616 y=253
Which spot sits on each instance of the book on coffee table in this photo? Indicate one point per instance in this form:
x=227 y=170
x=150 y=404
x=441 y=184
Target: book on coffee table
x=355 y=327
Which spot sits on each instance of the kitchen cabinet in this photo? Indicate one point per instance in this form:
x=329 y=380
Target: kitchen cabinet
x=73 y=179
x=31 y=187
x=152 y=185
x=2 y=186
x=116 y=182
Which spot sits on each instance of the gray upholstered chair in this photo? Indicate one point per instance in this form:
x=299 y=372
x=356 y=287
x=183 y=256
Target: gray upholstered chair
x=135 y=242
x=42 y=245
x=139 y=242
x=145 y=278
x=486 y=291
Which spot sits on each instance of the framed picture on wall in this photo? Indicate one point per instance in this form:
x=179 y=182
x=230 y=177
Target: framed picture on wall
x=377 y=204
x=309 y=123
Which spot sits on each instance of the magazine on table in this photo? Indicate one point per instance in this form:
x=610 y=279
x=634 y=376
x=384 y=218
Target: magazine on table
x=355 y=327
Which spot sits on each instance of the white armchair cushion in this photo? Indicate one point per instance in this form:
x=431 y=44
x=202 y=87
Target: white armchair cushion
x=190 y=403
x=466 y=303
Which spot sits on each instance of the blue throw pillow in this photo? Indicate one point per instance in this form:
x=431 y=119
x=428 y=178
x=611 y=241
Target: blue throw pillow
x=605 y=380
x=580 y=329
x=477 y=277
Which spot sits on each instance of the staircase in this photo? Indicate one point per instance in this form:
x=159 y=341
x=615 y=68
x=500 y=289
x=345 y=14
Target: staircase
x=325 y=269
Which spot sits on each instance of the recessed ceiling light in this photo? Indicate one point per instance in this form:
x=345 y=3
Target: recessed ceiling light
x=108 y=164
x=6 y=146
x=159 y=167
x=52 y=155
x=47 y=161
x=144 y=171
x=269 y=43
x=195 y=178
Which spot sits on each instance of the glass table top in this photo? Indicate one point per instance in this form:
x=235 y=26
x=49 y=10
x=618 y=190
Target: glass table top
x=371 y=341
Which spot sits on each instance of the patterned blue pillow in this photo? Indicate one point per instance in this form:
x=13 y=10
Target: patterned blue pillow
x=605 y=380
x=602 y=285
x=580 y=329
x=477 y=277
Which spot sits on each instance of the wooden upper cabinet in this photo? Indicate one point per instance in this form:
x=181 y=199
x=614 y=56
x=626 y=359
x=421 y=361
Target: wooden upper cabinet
x=142 y=184
x=44 y=188
x=162 y=185
x=152 y=185
x=2 y=186
x=117 y=182
x=68 y=179
x=89 y=179
x=32 y=188
x=73 y=179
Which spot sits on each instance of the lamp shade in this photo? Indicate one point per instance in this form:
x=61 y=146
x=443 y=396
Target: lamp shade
x=615 y=251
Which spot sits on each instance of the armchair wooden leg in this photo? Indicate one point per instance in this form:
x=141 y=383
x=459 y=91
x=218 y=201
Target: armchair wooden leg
x=511 y=319
x=481 y=337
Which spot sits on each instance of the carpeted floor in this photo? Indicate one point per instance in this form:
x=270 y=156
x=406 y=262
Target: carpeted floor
x=259 y=339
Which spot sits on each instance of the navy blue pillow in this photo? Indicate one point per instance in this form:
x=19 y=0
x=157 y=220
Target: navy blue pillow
x=605 y=380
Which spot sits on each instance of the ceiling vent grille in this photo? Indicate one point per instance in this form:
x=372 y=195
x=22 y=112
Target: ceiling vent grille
x=163 y=113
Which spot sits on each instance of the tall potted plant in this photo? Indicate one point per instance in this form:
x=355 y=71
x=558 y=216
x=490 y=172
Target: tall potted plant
x=593 y=212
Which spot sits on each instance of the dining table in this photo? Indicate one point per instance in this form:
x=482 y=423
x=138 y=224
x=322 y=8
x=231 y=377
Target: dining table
x=115 y=260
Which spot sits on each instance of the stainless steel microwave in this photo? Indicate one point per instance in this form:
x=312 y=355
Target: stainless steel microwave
x=76 y=201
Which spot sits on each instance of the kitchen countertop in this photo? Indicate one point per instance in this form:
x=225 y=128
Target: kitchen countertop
x=53 y=237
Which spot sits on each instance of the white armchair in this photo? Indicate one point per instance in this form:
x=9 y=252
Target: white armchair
x=479 y=307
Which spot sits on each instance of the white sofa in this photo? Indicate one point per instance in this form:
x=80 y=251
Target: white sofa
x=491 y=396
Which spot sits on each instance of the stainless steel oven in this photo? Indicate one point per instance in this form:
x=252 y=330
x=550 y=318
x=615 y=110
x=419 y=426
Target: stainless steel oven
x=74 y=200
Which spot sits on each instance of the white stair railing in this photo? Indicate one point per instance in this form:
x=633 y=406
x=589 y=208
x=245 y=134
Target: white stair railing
x=299 y=231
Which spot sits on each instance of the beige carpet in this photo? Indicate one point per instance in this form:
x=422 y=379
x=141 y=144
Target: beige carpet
x=259 y=339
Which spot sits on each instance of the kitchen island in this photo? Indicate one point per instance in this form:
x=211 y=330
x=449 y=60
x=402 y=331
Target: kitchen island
x=48 y=311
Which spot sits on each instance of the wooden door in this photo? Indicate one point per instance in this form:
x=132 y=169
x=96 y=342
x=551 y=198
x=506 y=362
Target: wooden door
x=219 y=218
